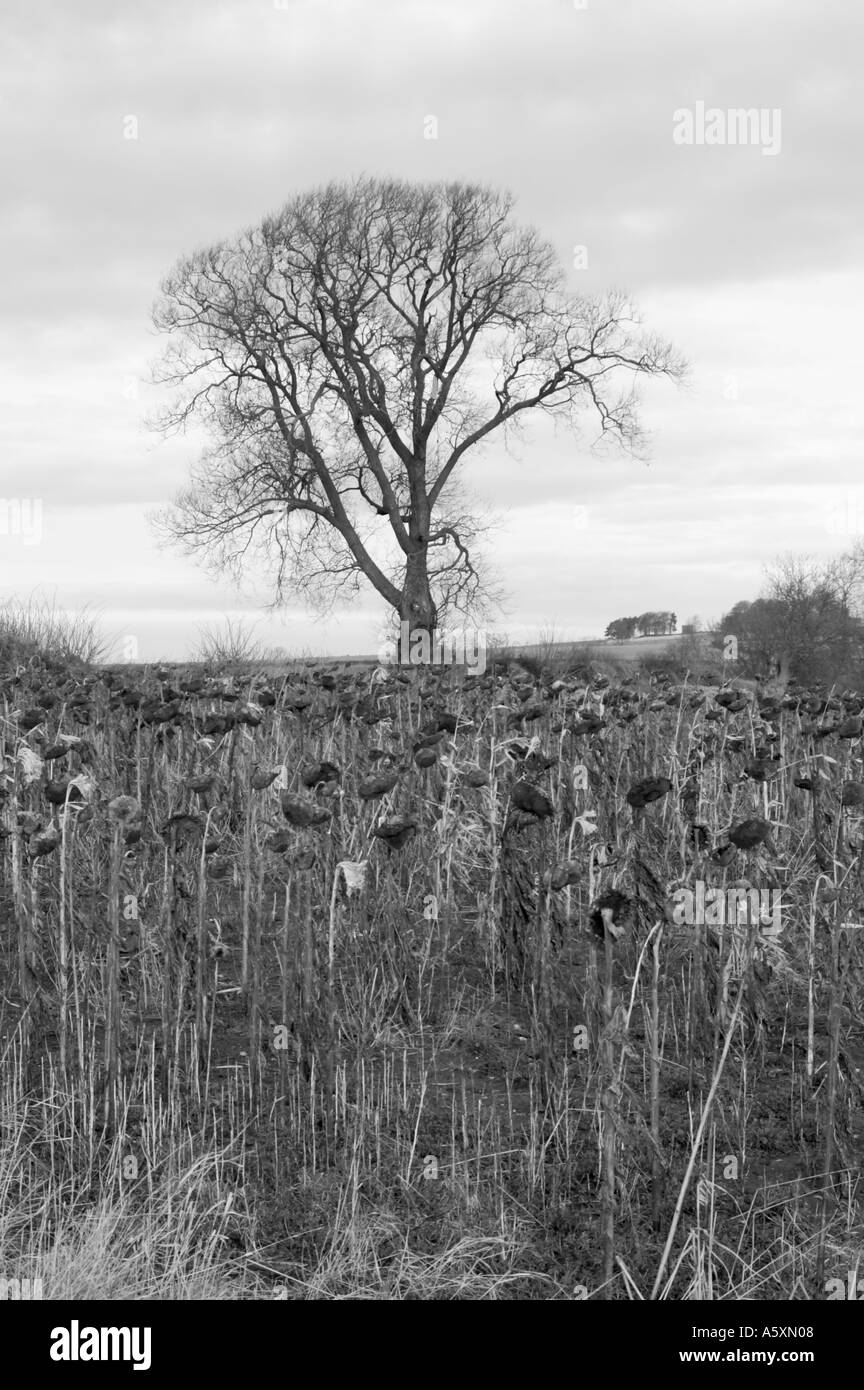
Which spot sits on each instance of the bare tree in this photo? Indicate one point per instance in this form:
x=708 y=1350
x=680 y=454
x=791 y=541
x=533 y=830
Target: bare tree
x=822 y=635
x=844 y=575
x=346 y=356
x=806 y=621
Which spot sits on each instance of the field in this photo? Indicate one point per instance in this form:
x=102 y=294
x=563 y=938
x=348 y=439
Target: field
x=342 y=985
x=635 y=649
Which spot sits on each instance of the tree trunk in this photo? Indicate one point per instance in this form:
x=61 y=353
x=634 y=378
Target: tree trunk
x=417 y=611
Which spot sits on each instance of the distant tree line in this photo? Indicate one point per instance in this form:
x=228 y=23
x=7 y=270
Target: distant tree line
x=646 y=625
x=807 y=623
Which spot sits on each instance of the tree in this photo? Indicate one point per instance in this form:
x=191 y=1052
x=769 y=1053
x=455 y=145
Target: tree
x=760 y=630
x=621 y=629
x=348 y=354
x=819 y=634
x=805 y=622
x=654 y=624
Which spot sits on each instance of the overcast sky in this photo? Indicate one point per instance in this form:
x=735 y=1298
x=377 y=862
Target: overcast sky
x=747 y=256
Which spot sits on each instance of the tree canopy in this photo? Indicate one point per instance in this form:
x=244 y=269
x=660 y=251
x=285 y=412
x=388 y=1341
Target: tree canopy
x=349 y=353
